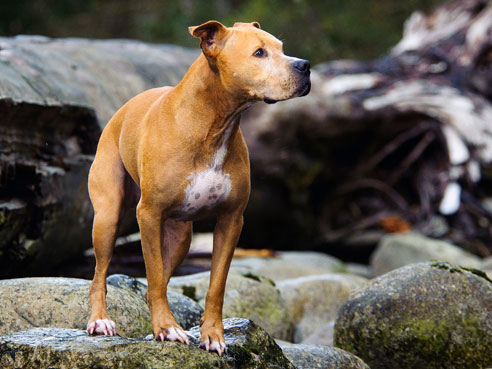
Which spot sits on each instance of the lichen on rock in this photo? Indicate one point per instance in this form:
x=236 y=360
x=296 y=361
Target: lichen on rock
x=248 y=347
x=428 y=315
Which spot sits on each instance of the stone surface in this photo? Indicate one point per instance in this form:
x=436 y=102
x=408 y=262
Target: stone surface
x=291 y=264
x=316 y=356
x=248 y=347
x=486 y=266
x=427 y=315
x=322 y=336
x=186 y=311
x=398 y=250
x=64 y=302
x=56 y=95
x=314 y=301
x=247 y=296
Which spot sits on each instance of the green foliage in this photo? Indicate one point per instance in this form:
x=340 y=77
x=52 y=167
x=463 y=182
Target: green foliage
x=319 y=30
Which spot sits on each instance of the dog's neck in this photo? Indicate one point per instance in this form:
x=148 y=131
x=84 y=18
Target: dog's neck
x=203 y=87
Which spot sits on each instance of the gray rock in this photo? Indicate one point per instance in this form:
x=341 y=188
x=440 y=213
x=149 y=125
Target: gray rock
x=487 y=266
x=323 y=357
x=127 y=282
x=397 y=250
x=247 y=296
x=291 y=264
x=64 y=302
x=314 y=301
x=428 y=315
x=322 y=336
x=248 y=347
x=56 y=95
x=186 y=311
x=359 y=269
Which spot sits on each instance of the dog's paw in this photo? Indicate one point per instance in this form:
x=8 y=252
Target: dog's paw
x=102 y=326
x=214 y=346
x=173 y=334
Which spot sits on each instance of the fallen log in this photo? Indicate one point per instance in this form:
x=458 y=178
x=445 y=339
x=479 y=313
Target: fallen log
x=55 y=98
x=408 y=135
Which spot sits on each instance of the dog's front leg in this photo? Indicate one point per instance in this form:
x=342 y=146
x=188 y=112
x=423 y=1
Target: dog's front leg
x=164 y=325
x=226 y=235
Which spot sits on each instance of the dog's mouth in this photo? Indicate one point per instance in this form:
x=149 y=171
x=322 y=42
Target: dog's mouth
x=270 y=101
x=305 y=89
x=302 y=91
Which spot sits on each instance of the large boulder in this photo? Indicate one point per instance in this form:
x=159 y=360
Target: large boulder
x=64 y=302
x=313 y=301
x=318 y=356
x=291 y=264
x=56 y=95
x=247 y=296
x=186 y=311
x=248 y=347
x=397 y=250
x=429 y=315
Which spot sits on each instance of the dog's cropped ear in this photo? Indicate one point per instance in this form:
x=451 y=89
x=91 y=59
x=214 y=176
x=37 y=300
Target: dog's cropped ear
x=253 y=24
x=211 y=35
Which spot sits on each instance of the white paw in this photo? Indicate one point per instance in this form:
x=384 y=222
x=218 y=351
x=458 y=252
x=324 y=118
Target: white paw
x=174 y=334
x=102 y=326
x=214 y=346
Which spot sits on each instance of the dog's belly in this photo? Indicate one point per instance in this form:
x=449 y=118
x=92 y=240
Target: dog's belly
x=206 y=190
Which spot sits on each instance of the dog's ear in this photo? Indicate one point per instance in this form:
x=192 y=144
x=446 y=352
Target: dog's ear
x=211 y=35
x=253 y=24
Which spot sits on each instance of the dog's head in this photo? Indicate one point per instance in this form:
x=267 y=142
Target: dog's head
x=251 y=61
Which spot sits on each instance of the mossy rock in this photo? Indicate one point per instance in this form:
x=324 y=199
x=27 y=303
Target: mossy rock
x=247 y=295
x=313 y=301
x=291 y=264
x=186 y=311
x=64 y=302
x=248 y=347
x=427 y=315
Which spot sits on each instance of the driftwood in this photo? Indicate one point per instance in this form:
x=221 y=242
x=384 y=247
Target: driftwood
x=55 y=98
x=404 y=141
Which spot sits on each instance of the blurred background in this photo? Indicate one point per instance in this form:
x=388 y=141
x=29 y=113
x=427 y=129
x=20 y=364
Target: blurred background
x=316 y=30
x=395 y=136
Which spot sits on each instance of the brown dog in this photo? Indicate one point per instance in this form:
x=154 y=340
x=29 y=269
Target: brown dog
x=179 y=153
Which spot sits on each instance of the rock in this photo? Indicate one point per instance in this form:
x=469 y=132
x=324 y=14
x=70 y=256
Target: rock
x=248 y=347
x=487 y=263
x=359 y=269
x=247 y=296
x=322 y=336
x=127 y=282
x=397 y=250
x=64 y=302
x=314 y=300
x=487 y=266
x=317 y=356
x=291 y=264
x=428 y=315
x=186 y=311
x=56 y=95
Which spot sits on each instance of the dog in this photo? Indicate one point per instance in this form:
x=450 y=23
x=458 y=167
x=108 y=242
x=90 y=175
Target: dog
x=178 y=154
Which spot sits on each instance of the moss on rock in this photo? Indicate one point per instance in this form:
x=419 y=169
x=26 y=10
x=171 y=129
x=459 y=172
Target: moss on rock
x=429 y=315
x=248 y=347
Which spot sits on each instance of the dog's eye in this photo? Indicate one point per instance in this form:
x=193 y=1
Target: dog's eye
x=260 y=53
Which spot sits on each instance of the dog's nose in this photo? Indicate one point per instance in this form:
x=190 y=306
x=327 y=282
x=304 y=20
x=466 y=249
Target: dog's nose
x=302 y=65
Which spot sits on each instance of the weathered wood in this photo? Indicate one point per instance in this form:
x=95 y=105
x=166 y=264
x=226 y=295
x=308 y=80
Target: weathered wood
x=402 y=135
x=55 y=98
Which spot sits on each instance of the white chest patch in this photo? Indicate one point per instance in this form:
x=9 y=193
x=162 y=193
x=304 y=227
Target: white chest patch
x=209 y=187
x=206 y=190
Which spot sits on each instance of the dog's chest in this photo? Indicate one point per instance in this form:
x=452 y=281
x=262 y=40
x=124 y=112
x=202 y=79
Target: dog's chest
x=206 y=190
